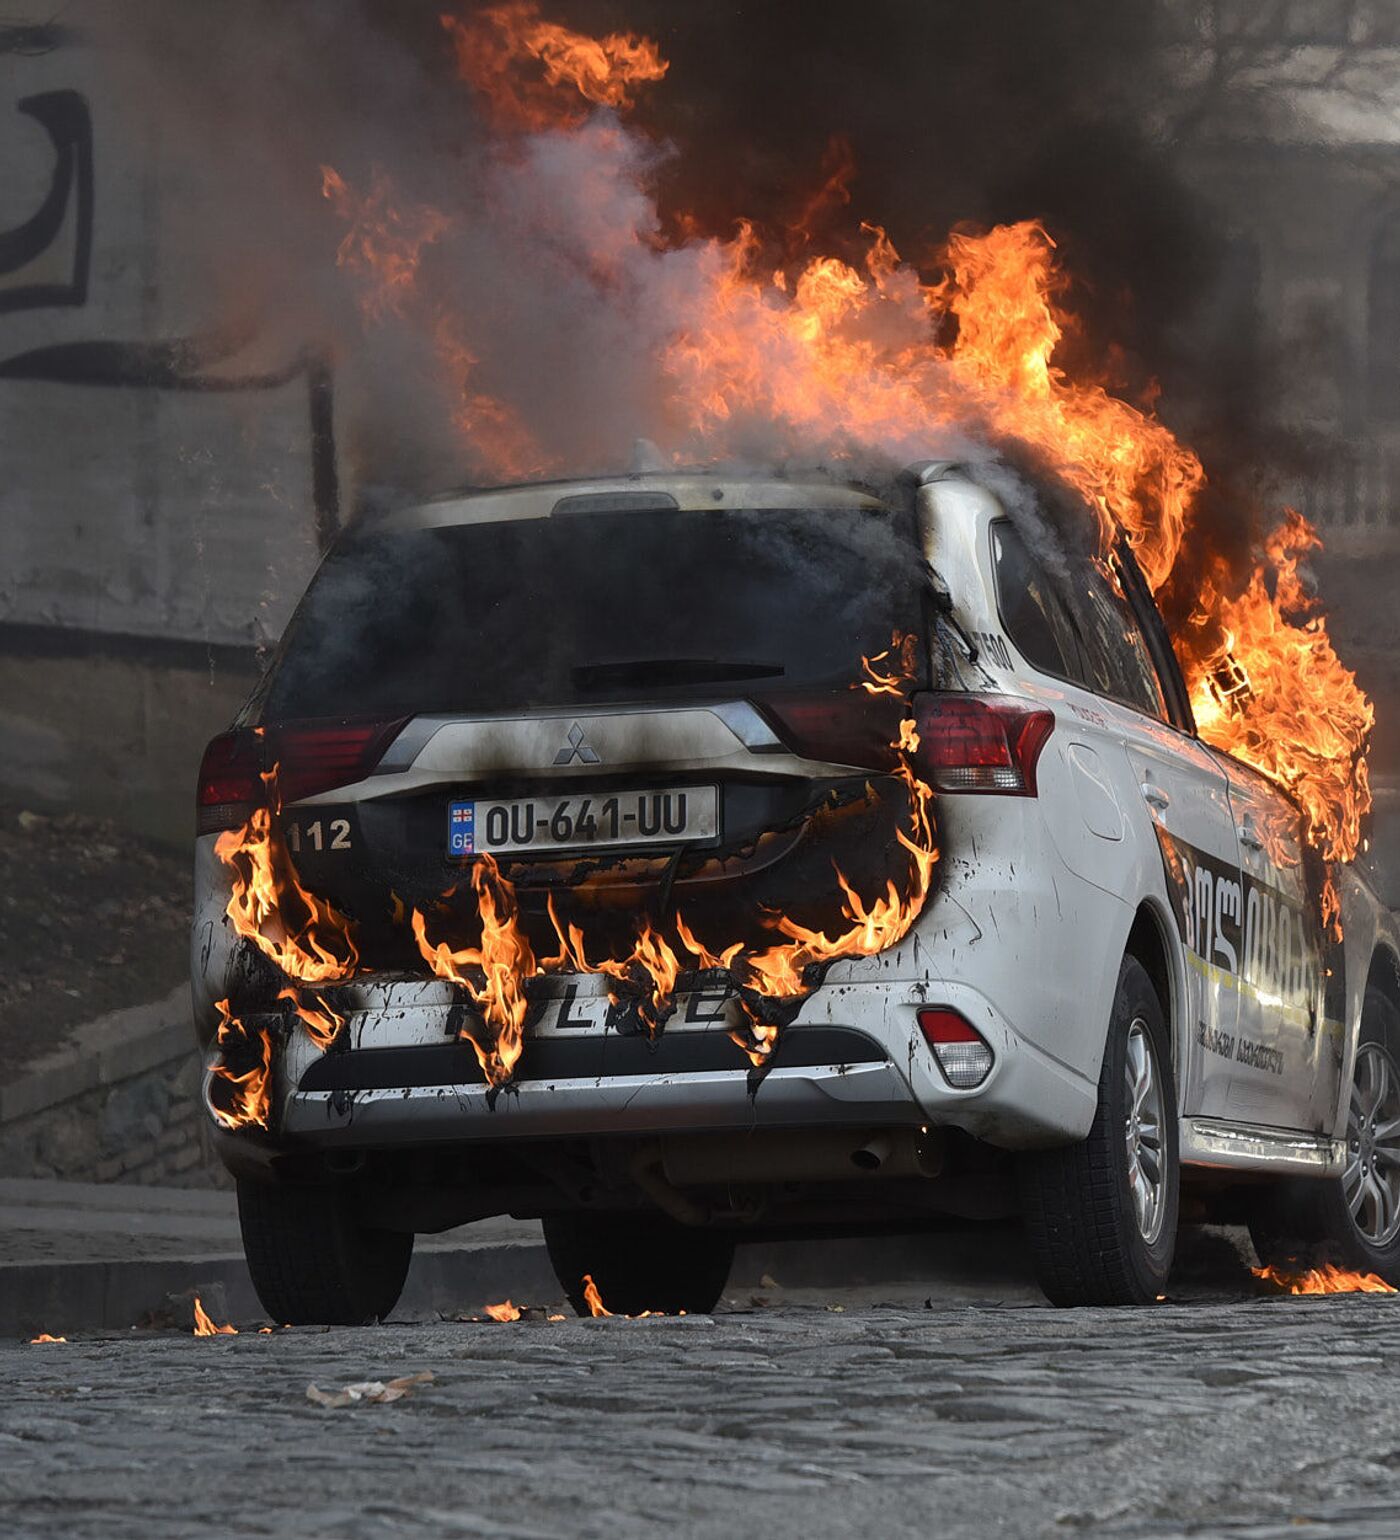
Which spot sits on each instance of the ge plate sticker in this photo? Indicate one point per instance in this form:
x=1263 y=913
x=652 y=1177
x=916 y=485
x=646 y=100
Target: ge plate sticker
x=461 y=828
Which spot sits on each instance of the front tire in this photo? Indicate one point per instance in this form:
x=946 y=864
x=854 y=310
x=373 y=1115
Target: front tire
x=638 y=1262
x=1351 y=1221
x=312 y=1262
x=1101 y=1216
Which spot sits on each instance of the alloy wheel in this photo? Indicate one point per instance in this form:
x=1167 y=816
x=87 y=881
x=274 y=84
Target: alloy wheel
x=1371 y=1178
x=1143 y=1127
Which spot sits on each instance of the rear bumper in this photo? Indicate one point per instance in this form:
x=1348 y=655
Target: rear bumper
x=854 y=1057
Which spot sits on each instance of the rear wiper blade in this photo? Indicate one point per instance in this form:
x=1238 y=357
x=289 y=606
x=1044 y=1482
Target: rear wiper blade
x=641 y=671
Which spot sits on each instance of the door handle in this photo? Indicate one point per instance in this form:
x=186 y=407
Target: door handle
x=1249 y=835
x=1154 y=796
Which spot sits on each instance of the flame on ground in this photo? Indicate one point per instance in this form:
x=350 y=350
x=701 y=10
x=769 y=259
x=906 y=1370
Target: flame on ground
x=242 y=1098
x=204 y=1326
x=592 y=1298
x=44 y=1337
x=505 y=1311
x=1323 y=1280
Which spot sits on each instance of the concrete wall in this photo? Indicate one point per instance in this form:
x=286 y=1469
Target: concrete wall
x=117 y=1102
x=159 y=472
x=117 y=735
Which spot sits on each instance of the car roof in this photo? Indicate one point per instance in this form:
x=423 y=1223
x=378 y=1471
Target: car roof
x=687 y=491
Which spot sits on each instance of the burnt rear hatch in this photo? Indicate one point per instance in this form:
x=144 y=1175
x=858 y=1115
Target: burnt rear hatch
x=597 y=609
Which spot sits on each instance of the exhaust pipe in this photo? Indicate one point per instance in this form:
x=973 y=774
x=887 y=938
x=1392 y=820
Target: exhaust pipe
x=873 y=1153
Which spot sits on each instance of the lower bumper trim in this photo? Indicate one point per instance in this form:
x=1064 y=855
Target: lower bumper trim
x=851 y=1094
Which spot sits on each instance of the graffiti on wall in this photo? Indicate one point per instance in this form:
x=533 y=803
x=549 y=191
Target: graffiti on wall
x=46 y=263
x=25 y=282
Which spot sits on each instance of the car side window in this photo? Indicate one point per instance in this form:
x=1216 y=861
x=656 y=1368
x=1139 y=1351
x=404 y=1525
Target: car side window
x=1115 y=650
x=1032 y=612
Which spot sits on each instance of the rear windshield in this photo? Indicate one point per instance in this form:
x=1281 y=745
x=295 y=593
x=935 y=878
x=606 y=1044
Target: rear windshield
x=591 y=607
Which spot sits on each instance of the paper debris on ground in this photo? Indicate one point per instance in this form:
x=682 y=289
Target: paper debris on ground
x=369 y=1392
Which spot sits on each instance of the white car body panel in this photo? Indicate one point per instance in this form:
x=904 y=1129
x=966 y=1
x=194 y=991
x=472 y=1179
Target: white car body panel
x=1024 y=934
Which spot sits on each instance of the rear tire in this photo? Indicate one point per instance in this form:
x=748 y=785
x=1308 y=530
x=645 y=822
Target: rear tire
x=1101 y=1216
x=638 y=1262
x=312 y=1262
x=1351 y=1221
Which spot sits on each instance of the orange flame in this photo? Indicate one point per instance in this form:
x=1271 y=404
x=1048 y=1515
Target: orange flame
x=495 y=973
x=205 y=1327
x=385 y=241
x=1323 y=1280
x=850 y=358
x=497 y=47
x=44 y=1337
x=505 y=1311
x=875 y=926
x=504 y=445
x=592 y=1298
x=306 y=937
x=648 y=972
x=383 y=248
x=1128 y=467
x=776 y=972
x=1291 y=708
x=322 y=1022
x=244 y=1099
x=900 y=664
x=499 y=968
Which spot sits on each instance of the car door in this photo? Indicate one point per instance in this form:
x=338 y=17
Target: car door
x=1186 y=794
x=1285 y=1068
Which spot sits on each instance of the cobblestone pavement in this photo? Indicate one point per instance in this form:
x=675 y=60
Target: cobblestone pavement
x=1253 y=1418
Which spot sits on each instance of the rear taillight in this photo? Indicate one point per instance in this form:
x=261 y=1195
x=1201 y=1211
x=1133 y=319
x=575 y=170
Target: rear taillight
x=310 y=757
x=313 y=757
x=841 y=726
x=230 y=782
x=982 y=743
x=962 y=1055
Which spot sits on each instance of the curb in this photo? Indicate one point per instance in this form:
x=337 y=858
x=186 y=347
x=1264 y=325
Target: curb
x=66 y=1297
x=985 y=1264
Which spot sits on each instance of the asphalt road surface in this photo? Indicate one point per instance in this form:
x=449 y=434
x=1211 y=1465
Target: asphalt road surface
x=1263 y=1417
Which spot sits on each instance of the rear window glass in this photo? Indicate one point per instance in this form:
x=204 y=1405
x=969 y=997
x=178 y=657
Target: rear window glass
x=589 y=607
x=1031 y=611
x=1119 y=662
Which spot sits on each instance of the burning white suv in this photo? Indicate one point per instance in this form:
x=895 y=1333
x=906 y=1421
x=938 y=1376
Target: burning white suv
x=683 y=859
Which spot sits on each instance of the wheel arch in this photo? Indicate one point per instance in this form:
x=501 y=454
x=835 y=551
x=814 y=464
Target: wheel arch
x=1384 y=974
x=1149 y=942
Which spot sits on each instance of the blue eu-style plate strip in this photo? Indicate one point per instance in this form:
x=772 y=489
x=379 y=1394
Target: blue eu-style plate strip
x=461 y=828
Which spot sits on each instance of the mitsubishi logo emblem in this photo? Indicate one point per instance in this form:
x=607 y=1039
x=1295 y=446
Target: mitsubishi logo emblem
x=576 y=749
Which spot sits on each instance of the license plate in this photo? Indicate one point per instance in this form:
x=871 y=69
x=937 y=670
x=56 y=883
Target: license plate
x=668 y=817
